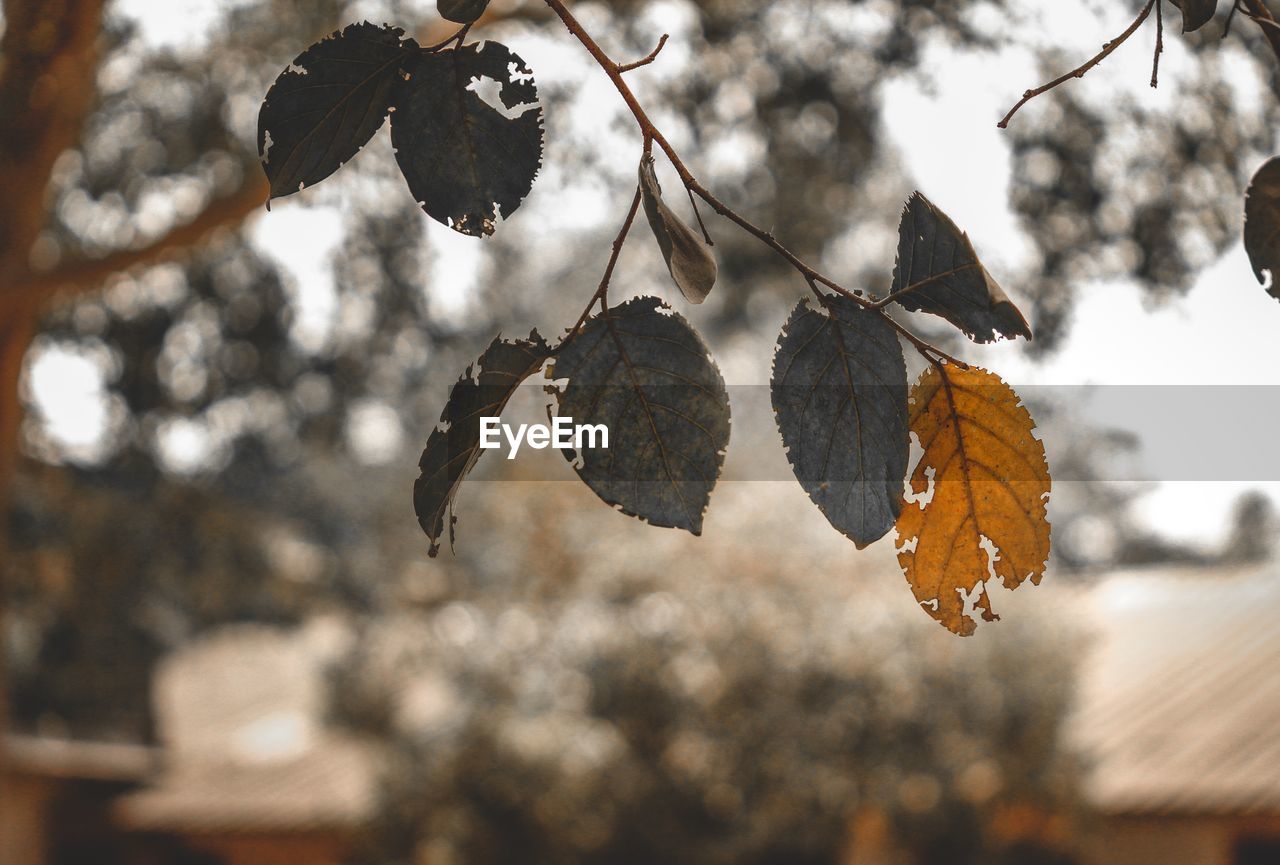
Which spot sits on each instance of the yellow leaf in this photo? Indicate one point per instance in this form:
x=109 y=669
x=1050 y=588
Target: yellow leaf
x=989 y=485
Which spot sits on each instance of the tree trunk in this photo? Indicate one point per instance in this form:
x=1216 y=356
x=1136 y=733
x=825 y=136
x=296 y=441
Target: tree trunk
x=15 y=335
x=47 y=68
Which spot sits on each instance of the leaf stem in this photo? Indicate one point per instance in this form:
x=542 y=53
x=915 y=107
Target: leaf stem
x=602 y=292
x=888 y=299
x=653 y=135
x=458 y=35
x=1080 y=71
x=1155 y=62
x=1231 y=16
x=929 y=352
x=1257 y=11
x=648 y=58
x=698 y=213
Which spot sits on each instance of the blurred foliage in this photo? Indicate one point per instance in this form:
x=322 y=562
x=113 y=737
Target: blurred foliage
x=615 y=702
x=111 y=570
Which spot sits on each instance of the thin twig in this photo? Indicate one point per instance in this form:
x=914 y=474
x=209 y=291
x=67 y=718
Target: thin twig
x=602 y=292
x=1231 y=16
x=698 y=213
x=652 y=135
x=1257 y=11
x=1260 y=20
x=648 y=58
x=458 y=36
x=929 y=352
x=1080 y=71
x=1155 y=62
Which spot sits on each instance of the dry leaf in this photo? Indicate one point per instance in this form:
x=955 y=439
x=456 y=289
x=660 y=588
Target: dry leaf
x=990 y=485
x=328 y=103
x=688 y=257
x=454 y=445
x=468 y=162
x=461 y=11
x=1196 y=13
x=935 y=255
x=1262 y=223
x=644 y=373
x=839 y=391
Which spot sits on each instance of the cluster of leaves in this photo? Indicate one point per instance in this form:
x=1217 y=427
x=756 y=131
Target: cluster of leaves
x=841 y=397
x=467 y=162
x=641 y=370
x=1262 y=198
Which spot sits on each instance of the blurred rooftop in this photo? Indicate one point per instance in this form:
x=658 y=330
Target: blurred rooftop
x=1180 y=696
x=1175 y=716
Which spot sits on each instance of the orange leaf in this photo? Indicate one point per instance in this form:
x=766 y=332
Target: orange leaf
x=990 y=484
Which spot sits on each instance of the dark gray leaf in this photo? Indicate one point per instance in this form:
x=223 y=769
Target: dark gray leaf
x=958 y=287
x=1196 y=13
x=327 y=104
x=461 y=11
x=645 y=374
x=688 y=257
x=840 y=395
x=1262 y=223
x=465 y=160
x=454 y=445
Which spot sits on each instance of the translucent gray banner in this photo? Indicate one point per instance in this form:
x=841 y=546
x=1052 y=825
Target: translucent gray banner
x=1090 y=433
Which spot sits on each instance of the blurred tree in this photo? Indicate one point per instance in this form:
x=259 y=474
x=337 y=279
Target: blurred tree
x=1253 y=530
x=642 y=705
x=127 y=172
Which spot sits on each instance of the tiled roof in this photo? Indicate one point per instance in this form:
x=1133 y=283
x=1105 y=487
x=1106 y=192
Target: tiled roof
x=1179 y=702
x=1177 y=713
x=329 y=787
x=76 y=760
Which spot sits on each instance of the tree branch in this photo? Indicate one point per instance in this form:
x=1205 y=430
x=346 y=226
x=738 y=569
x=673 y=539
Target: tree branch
x=1258 y=11
x=49 y=58
x=88 y=274
x=1155 y=61
x=937 y=277
x=648 y=58
x=602 y=292
x=1080 y=71
x=653 y=135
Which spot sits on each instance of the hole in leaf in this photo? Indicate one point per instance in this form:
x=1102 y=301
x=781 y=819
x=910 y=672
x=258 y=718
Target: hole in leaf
x=517 y=75
x=490 y=92
x=988 y=546
x=970 y=600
